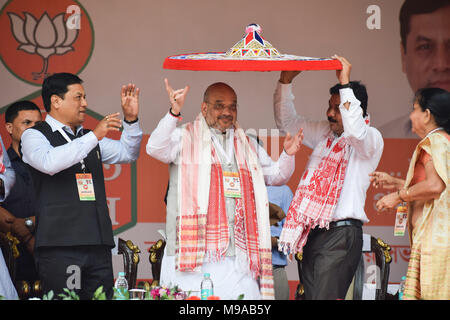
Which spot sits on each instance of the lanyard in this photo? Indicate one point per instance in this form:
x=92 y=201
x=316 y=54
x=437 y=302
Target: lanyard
x=228 y=156
x=64 y=134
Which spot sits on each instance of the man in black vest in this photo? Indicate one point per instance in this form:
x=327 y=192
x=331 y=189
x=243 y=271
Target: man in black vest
x=21 y=202
x=73 y=228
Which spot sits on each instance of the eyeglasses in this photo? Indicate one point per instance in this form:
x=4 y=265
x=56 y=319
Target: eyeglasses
x=221 y=107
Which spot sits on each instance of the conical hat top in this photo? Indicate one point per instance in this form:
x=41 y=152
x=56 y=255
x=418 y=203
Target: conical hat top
x=251 y=53
x=252 y=45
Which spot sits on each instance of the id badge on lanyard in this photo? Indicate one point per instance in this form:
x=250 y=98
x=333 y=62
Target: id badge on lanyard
x=231 y=180
x=231 y=184
x=85 y=183
x=85 y=186
x=400 y=220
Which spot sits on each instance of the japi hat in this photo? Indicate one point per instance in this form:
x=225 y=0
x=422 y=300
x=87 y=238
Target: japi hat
x=251 y=53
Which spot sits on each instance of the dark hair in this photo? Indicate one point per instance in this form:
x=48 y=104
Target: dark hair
x=360 y=93
x=13 y=110
x=57 y=84
x=436 y=100
x=413 y=7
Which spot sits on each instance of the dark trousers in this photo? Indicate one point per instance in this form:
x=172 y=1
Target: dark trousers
x=79 y=268
x=25 y=266
x=330 y=259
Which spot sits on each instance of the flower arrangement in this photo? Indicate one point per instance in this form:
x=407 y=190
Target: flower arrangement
x=155 y=293
x=164 y=293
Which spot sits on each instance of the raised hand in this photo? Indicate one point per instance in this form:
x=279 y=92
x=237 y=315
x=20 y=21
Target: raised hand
x=130 y=101
x=109 y=123
x=293 y=143
x=176 y=97
x=344 y=74
x=287 y=76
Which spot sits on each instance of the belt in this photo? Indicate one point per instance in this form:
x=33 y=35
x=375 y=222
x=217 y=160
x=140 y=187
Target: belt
x=346 y=222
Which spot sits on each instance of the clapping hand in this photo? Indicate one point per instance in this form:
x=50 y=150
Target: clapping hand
x=129 y=97
x=109 y=123
x=130 y=101
x=293 y=143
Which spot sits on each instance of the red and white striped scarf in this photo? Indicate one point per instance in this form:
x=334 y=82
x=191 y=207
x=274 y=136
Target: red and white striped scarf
x=317 y=195
x=202 y=228
x=2 y=166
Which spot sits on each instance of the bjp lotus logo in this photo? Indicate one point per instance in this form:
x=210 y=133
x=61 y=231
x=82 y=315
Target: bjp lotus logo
x=44 y=37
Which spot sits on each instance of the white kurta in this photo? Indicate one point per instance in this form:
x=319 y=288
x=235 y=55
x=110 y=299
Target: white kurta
x=229 y=281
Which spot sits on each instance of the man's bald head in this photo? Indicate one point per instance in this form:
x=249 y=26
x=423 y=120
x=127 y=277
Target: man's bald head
x=219 y=87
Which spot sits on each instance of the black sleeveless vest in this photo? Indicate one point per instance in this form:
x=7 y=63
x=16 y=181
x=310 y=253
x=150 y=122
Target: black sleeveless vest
x=62 y=219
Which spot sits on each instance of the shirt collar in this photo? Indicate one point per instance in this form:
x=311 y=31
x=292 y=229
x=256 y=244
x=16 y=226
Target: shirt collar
x=219 y=133
x=56 y=125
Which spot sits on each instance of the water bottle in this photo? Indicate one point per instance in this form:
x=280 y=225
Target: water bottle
x=121 y=286
x=206 y=287
x=401 y=288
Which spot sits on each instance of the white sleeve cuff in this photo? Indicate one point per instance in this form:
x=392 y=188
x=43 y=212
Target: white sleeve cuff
x=347 y=95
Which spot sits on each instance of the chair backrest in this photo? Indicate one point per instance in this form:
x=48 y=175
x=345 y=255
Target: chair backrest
x=131 y=260
x=8 y=244
x=300 y=292
x=156 y=252
x=25 y=289
x=382 y=262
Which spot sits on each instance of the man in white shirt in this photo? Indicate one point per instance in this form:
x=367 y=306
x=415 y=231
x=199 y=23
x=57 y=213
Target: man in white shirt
x=326 y=215
x=217 y=208
x=73 y=238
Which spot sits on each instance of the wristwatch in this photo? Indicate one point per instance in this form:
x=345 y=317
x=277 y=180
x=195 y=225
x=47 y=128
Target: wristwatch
x=29 y=224
x=343 y=86
x=131 y=122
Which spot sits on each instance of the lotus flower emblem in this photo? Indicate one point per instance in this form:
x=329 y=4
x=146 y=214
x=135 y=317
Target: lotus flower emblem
x=44 y=37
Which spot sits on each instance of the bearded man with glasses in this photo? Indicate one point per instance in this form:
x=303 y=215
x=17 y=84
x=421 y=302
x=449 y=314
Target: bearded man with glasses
x=217 y=206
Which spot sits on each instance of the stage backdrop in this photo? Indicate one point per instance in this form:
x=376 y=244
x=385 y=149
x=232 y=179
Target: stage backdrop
x=109 y=43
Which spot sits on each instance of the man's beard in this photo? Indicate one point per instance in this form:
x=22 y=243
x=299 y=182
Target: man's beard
x=217 y=126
